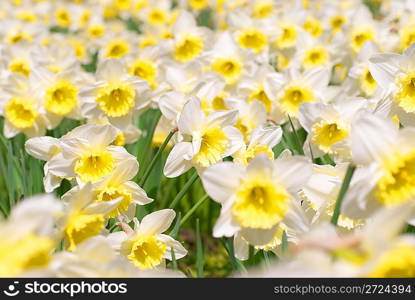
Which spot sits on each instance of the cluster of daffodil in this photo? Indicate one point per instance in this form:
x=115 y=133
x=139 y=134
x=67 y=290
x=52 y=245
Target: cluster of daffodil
x=297 y=116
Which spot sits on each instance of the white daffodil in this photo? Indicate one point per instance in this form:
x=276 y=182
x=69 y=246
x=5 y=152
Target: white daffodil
x=321 y=193
x=212 y=94
x=83 y=217
x=385 y=155
x=117 y=44
x=18 y=58
x=88 y=155
x=297 y=88
x=147 y=64
x=396 y=75
x=119 y=185
x=362 y=29
x=23 y=112
x=59 y=92
x=324 y=252
x=360 y=80
x=57 y=58
x=289 y=29
x=184 y=78
x=116 y=94
x=261 y=86
x=228 y=60
x=250 y=33
x=96 y=258
x=189 y=39
x=262 y=140
x=329 y=127
x=146 y=246
x=256 y=198
x=250 y=115
x=206 y=139
x=315 y=52
x=27 y=236
x=15 y=31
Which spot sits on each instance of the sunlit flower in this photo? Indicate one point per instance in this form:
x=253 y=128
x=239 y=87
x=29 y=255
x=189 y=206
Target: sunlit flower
x=145 y=246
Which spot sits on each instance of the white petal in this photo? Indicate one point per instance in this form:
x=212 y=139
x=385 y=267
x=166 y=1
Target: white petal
x=241 y=247
x=179 y=250
x=221 y=180
x=223 y=118
x=318 y=78
x=266 y=135
x=372 y=138
x=43 y=148
x=156 y=222
x=177 y=163
x=258 y=237
x=224 y=225
x=293 y=172
x=192 y=117
x=138 y=194
x=171 y=104
x=61 y=167
x=384 y=68
x=235 y=140
x=110 y=70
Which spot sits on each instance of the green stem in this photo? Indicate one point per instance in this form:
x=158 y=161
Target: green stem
x=181 y=194
x=284 y=242
x=157 y=117
x=297 y=139
x=342 y=193
x=155 y=158
x=193 y=209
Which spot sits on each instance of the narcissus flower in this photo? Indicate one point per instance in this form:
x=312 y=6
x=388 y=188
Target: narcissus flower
x=31 y=245
x=116 y=94
x=83 y=218
x=386 y=156
x=329 y=127
x=88 y=154
x=256 y=198
x=206 y=140
x=298 y=88
x=396 y=75
x=145 y=246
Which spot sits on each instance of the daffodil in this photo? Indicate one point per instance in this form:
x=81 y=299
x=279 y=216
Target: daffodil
x=256 y=198
x=116 y=94
x=262 y=140
x=262 y=85
x=360 y=79
x=96 y=258
x=250 y=115
x=298 y=88
x=206 y=139
x=22 y=110
x=329 y=127
x=83 y=218
x=189 y=40
x=119 y=185
x=385 y=155
x=395 y=74
x=59 y=92
x=227 y=59
x=145 y=246
x=88 y=154
x=31 y=245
